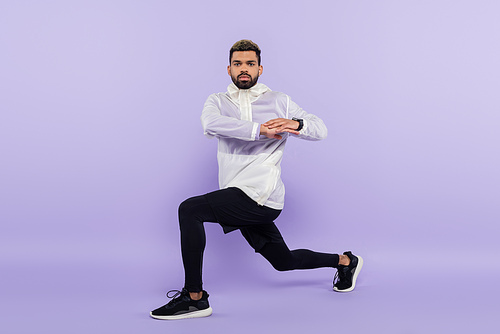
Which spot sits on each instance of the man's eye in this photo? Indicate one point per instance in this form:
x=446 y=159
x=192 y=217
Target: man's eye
x=251 y=64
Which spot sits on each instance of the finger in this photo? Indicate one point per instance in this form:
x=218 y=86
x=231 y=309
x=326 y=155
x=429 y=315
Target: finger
x=274 y=120
x=291 y=131
x=270 y=123
x=274 y=125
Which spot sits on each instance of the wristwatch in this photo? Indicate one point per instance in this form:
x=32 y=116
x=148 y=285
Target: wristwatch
x=301 y=123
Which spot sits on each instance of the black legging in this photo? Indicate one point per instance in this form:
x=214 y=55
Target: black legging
x=233 y=209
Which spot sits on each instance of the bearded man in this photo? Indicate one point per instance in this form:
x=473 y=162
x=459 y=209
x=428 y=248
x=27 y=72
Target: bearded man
x=252 y=125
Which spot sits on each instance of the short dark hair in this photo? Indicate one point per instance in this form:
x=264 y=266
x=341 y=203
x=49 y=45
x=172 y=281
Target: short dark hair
x=245 y=45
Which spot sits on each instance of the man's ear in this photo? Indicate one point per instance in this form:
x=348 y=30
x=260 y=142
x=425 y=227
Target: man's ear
x=229 y=70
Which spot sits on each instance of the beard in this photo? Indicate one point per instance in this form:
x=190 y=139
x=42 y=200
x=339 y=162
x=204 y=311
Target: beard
x=244 y=84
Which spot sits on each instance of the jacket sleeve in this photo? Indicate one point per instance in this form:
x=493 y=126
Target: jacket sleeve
x=217 y=125
x=313 y=129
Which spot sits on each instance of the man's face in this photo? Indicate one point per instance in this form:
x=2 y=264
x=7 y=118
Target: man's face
x=244 y=69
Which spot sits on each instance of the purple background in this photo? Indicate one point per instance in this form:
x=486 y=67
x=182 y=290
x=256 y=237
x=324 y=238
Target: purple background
x=101 y=140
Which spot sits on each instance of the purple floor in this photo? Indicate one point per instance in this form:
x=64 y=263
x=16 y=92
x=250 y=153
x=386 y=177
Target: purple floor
x=112 y=288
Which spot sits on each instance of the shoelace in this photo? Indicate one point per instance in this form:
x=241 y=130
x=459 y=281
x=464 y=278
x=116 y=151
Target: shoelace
x=336 y=277
x=177 y=293
x=339 y=275
x=176 y=297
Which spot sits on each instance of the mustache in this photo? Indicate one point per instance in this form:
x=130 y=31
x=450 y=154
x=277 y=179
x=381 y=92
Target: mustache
x=244 y=74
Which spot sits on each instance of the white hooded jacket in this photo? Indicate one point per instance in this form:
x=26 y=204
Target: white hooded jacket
x=248 y=160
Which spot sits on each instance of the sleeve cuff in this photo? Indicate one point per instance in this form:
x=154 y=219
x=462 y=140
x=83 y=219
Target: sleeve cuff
x=304 y=126
x=255 y=131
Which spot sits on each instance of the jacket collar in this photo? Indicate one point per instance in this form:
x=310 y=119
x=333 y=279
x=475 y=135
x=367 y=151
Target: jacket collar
x=254 y=92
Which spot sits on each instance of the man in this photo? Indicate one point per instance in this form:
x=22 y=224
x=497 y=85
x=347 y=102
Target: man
x=252 y=124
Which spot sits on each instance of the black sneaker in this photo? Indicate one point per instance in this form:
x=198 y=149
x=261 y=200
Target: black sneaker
x=345 y=278
x=182 y=307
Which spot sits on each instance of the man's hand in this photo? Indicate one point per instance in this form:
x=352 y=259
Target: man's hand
x=269 y=133
x=283 y=125
x=271 y=128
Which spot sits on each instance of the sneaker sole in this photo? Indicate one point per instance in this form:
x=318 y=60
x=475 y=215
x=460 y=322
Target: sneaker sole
x=354 y=277
x=195 y=314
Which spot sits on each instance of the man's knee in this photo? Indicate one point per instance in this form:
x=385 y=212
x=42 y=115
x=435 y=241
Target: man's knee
x=186 y=207
x=188 y=211
x=279 y=256
x=282 y=266
x=194 y=209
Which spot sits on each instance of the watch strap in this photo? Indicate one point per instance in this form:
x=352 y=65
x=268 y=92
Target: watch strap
x=301 y=123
